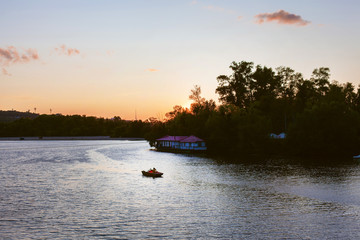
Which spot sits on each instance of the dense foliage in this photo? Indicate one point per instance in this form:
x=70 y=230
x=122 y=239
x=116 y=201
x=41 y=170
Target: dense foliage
x=320 y=118
x=60 y=125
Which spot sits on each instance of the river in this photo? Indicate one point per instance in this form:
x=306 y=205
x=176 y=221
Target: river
x=95 y=190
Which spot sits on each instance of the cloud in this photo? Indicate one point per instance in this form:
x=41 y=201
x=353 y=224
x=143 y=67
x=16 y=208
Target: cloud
x=67 y=51
x=152 y=70
x=11 y=55
x=281 y=17
x=5 y=72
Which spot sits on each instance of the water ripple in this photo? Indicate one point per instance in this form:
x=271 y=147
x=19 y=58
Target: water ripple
x=95 y=190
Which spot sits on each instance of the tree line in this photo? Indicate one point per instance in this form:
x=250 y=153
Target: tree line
x=73 y=125
x=321 y=118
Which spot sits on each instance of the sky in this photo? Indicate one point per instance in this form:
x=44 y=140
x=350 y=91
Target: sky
x=139 y=58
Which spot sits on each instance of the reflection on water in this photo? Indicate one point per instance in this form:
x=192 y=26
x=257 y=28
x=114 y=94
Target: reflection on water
x=95 y=189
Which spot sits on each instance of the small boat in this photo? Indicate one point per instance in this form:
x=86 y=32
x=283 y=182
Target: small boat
x=356 y=157
x=151 y=173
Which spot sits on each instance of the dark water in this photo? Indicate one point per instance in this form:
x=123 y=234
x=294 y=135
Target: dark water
x=94 y=189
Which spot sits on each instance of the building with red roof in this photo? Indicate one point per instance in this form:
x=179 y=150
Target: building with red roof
x=180 y=144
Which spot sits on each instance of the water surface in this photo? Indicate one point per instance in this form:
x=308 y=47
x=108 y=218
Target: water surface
x=94 y=189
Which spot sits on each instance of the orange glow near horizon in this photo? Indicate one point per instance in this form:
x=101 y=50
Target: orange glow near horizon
x=74 y=63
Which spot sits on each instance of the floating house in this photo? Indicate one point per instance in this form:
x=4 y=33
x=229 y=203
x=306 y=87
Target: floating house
x=180 y=144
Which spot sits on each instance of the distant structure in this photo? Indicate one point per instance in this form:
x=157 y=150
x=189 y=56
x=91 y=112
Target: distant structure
x=280 y=136
x=180 y=144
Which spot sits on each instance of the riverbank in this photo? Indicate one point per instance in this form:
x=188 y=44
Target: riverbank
x=67 y=138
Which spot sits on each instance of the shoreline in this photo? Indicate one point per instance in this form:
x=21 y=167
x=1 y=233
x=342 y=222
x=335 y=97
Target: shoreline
x=68 y=138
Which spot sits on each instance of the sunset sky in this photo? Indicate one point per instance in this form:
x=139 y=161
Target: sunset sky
x=114 y=58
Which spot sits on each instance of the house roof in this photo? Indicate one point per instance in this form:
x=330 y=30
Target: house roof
x=192 y=139
x=180 y=139
x=171 y=138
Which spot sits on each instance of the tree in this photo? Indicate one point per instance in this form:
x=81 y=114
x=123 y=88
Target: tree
x=327 y=129
x=177 y=109
x=198 y=101
x=235 y=89
x=289 y=80
x=196 y=95
x=350 y=95
x=306 y=94
x=264 y=83
x=320 y=77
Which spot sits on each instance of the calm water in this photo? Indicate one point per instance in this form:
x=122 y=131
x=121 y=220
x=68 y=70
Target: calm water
x=94 y=189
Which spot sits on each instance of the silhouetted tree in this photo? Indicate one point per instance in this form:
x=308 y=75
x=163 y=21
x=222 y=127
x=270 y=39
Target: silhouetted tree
x=320 y=77
x=235 y=89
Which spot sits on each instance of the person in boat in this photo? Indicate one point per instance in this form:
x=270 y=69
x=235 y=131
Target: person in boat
x=154 y=170
x=150 y=170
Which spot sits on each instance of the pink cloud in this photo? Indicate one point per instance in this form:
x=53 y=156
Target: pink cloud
x=152 y=70
x=31 y=54
x=11 y=55
x=6 y=53
x=5 y=72
x=281 y=17
x=67 y=51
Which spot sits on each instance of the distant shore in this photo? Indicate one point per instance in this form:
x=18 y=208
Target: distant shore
x=67 y=138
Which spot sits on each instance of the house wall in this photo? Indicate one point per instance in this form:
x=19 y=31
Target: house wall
x=183 y=146
x=193 y=146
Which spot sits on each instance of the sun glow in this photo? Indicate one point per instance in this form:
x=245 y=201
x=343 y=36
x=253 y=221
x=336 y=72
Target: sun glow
x=187 y=104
